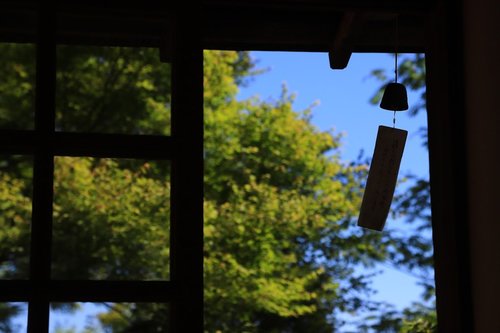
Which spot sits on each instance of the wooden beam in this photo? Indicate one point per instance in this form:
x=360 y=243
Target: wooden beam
x=92 y=144
x=448 y=171
x=111 y=291
x=186 y=207
x=341 y=49
x=43 y=170
x=239 y=25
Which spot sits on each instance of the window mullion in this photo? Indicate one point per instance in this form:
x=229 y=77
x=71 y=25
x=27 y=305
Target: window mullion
x=43 y=172
x=187 y=175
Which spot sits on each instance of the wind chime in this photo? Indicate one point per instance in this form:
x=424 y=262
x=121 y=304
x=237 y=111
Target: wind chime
x=389 y=146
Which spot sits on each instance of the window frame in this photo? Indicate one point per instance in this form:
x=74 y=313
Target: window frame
x=183 y=148
x=448 y=161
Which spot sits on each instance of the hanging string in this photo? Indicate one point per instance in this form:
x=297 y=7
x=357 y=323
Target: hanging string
x=396 y=42
x=395 y=65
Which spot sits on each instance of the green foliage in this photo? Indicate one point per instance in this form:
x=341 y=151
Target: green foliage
x=419 y=319
x=281 y=253
x=132 y=318
x=112 y=89
x=17 y=94
x=109 y=222
x=15 y=217
x=278 y=202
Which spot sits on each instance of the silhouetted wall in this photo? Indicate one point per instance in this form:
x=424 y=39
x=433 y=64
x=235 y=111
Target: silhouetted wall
x=482 y=96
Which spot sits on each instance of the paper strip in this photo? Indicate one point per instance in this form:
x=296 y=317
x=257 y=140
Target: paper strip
x=382 y=177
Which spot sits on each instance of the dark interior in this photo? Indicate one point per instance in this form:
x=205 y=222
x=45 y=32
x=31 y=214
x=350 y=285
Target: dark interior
x=459 y=38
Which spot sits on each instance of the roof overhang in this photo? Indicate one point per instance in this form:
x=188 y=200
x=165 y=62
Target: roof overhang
x=338 y=27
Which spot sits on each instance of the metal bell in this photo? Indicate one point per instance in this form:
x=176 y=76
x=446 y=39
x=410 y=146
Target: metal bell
x=395 y=97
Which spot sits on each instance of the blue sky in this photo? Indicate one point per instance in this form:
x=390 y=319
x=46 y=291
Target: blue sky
x=342 y=98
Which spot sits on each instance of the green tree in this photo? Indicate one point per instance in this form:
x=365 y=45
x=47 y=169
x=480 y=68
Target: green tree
x=109 y=222
x=17 y=95
x=112 y=89
x=281 y=253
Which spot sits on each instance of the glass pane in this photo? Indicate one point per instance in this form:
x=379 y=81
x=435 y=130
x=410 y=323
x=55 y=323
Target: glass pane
x=111 y=219
x=13 y=317
x=16 y=174
x=17 y=86
x=112 y=90
x=109 y=317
